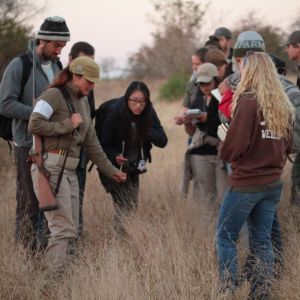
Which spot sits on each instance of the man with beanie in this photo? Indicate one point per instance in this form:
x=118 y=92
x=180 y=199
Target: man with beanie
x=293 y=51
x=16 y=100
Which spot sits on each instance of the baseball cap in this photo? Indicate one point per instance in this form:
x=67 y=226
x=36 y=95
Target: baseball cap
x=86 y=67
x=294 y=38
x=222 y=31
x=206 y=73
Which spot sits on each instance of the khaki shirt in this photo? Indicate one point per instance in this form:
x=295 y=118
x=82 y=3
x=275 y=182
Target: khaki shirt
x=51 y=119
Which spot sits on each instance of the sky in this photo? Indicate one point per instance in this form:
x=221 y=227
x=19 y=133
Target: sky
x=118 y=28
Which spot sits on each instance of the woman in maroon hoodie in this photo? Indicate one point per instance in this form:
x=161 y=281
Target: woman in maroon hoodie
x=257 y=144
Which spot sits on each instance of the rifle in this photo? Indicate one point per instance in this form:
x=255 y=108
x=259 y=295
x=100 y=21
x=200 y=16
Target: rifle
x=45 y=195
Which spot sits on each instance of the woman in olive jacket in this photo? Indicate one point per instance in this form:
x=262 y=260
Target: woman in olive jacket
x=62 y=118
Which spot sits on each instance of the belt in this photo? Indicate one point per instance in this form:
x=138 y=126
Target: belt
x=57 y=160
x=57 y=151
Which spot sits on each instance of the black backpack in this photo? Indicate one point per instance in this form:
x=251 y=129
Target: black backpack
x=101 y=114
x=6 y=123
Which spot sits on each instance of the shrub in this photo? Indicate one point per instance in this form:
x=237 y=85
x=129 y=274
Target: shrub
x=174 y=88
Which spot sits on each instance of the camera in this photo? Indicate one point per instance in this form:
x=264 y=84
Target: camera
x=142 y=166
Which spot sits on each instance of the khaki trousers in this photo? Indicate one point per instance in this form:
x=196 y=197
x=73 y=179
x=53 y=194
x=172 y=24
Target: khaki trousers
x=62 y=223
x=210 y=180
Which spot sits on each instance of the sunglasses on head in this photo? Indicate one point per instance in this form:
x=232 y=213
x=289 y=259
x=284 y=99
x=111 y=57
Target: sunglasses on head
x=248 y=53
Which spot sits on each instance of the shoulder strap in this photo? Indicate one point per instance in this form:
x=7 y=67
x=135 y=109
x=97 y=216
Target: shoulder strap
x=59 y=64
x=68 y=99
x=27 y=65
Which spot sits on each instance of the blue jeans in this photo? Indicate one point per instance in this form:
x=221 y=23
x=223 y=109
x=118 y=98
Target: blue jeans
x=259 y=208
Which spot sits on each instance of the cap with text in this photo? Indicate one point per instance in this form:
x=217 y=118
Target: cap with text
x=246 y=41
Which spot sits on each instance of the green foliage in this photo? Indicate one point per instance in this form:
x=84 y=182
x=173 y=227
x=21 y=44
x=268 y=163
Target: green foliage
x=174 y=88
x=14 y=33
x=174 y=40
x=13 y=41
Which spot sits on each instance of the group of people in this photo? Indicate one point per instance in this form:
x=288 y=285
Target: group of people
x=240 y=115
x=240 y=170
x=56 y=107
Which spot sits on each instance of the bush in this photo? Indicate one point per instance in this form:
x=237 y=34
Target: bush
x=174 y=88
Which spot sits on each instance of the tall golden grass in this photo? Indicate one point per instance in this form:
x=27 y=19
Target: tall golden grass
x=170 y=252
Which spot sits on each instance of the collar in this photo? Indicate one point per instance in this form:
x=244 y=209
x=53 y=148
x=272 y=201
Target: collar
x=73 y=90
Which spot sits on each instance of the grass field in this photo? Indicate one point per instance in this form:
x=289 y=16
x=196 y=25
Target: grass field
x=170 y=253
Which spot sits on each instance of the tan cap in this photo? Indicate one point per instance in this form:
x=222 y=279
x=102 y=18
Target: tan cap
x=206 y=73
x=86 y=67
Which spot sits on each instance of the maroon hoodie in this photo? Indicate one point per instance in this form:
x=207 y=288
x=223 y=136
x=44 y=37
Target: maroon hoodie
x=257 y=157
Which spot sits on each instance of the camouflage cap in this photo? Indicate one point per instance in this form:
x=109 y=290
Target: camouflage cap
x=86 y=67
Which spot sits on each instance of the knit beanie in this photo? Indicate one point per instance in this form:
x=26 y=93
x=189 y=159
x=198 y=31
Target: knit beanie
x=248 y=40
x=54 y=29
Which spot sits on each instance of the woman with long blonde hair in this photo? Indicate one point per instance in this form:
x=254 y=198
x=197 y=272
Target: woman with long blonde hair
x=257 y=144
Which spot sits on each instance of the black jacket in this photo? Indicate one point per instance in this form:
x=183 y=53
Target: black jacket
x=112 y=139
x=210 y=127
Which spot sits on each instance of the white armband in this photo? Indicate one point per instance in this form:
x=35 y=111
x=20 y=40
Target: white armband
x=43 y=108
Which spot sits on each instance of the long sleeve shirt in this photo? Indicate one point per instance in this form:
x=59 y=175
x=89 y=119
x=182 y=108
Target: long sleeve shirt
x=257 y=156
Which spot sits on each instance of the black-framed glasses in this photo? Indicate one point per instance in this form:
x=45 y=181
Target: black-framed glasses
x=136 y=101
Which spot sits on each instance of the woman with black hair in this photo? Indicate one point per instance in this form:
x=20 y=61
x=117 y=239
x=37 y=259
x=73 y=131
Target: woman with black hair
x=127 y=138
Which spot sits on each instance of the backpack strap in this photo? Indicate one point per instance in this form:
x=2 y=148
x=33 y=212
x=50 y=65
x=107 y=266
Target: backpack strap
x=68 y=99
x=59 y=64
x=27 y=65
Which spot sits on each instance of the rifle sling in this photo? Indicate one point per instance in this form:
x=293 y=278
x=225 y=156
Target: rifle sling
x=68 y=99
x=61 y=173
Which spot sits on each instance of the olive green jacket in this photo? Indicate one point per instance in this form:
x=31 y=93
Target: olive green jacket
x=51 y=120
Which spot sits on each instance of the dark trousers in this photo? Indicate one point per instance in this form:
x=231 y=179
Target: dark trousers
x=81 y=175
x=295 y=192
x=27 y=211
x=124 y=196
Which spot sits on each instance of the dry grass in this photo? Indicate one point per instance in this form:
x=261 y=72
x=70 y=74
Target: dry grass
x=170 y=253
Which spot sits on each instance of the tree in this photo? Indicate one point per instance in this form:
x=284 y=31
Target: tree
x=174 y=40
x=295 y=25
x=108 y=66
x=14 y=34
